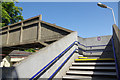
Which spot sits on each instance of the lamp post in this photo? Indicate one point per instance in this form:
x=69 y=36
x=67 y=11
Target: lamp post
x=104 y=6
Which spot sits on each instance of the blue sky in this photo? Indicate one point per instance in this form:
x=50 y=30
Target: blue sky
x=86 y=18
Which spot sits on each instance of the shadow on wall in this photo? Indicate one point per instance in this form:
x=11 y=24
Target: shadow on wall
x=116 y=41
x=8 y=73
x=108 y=51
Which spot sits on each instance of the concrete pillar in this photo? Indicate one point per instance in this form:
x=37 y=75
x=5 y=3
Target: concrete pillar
x=8 y=35
x=21 y=32
x=40 y=17
x=39 y=28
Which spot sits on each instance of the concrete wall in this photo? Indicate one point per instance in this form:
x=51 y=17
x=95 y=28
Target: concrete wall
x=14 y=35
x=31 y=65
x=94 y=41
x=66 y=67
x=30 y=33
x=106 y=51
x=49 y=33
x=116 y=39
x=4 y=39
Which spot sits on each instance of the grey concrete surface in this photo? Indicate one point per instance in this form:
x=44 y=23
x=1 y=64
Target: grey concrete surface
x=62 y=71
x=31 y=30
x=93 y=41
x=65 y=68
x=100 y=54
x=116 y=39
x=31 y=65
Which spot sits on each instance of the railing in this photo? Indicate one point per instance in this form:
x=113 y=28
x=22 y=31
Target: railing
x=39 y=73
x=69 y=57
x=42 y=71
x=61 y=65
x=116 y=64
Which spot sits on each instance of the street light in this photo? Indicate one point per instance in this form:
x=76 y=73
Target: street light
x=104 y=6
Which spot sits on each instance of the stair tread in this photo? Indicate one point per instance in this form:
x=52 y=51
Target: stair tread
x=71 y=76
x=91 y=67
x=86 y=78
x=90 y=57
x=110 y=63
x=100 y=59
x=92 y=73
x=80 y=55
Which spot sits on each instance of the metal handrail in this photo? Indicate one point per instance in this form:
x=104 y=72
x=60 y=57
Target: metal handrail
x=51 y=62
x=59 y=56
x=68 y=58
x=118 y=76
x=61 y=65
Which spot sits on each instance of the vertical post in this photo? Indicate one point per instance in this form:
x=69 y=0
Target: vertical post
x=40 y=17
x=113 y=16
x=21 y=32
x=39 y=28
x=8 y=34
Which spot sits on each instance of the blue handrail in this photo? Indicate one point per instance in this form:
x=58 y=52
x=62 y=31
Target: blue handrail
x=61 y=65
x=51 y=62
x=68 y=58
x=118 y=76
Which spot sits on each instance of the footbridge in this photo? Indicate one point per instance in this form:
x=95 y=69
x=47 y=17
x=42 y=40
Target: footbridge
x=69 y=57
x=30 y=33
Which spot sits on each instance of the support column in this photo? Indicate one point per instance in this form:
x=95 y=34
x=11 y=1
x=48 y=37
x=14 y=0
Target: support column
x=21 y=32
x=39 y=28
x=8 y=35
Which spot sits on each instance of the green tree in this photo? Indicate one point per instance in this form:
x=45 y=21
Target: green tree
x=11 y=13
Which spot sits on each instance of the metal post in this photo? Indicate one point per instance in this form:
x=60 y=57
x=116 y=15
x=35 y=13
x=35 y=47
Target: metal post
x=113 y=14
x=104 y=6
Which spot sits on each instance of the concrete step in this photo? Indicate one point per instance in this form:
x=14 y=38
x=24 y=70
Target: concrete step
x=101 y=59
x=98 y=54
x=97 y=73
x=88 y=57
x=80 y=55
x=86 y=64
x=76 y=77
x=69 y=77
x=91 y=68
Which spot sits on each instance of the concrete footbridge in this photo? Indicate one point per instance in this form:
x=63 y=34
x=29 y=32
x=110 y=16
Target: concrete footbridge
x=61 y=53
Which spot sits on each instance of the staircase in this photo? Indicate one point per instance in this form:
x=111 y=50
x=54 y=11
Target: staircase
x=91 y=68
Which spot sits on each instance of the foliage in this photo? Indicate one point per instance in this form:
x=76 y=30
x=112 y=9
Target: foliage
x=10 y=13
x=30 y=50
